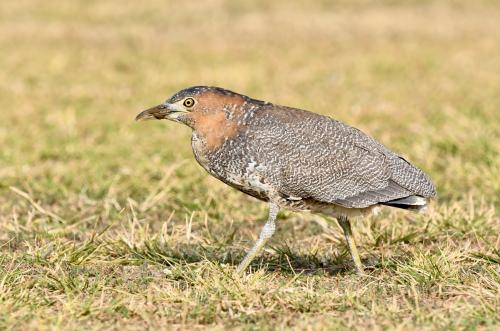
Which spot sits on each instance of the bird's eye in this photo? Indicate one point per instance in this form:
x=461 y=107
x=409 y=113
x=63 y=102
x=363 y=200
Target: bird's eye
x=189 y=102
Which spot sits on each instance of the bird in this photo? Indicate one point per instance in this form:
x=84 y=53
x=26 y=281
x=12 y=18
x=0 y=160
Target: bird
x=293 y=159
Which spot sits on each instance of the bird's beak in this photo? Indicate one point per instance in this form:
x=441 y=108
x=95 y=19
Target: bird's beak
x=157 y=112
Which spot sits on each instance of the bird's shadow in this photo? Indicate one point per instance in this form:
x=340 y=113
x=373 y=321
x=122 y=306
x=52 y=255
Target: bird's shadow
x=286 y=261
x=283 y=259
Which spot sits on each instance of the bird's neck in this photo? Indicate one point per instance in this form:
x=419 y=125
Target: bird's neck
x=213 y=128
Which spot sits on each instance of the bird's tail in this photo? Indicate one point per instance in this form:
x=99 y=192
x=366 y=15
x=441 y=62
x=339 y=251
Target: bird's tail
x=412 y=202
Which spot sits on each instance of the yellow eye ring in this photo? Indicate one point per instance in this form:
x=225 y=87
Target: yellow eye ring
x=189 y=102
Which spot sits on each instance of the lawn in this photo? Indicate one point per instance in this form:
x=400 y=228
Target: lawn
x=106 y=223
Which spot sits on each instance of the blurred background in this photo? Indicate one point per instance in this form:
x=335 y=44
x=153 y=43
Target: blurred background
x=422 y=77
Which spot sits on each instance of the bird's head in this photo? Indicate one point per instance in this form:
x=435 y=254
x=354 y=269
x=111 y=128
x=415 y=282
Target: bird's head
x=195 y=105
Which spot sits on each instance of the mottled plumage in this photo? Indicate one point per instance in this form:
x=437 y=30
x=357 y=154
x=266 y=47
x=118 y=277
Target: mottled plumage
x=293 y=158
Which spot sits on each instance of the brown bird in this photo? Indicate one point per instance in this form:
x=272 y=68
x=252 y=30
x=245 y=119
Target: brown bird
x=293 y=159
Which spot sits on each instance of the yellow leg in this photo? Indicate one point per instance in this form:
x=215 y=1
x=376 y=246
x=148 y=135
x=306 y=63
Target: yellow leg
x=345 y=224
x=266 y=234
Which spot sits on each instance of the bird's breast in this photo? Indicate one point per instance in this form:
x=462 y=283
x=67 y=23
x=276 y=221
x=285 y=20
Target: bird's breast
x=233 y=166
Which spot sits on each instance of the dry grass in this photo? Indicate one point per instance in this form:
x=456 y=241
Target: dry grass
x=108 y=224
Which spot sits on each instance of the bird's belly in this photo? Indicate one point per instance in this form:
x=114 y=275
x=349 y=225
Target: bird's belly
x=334 y=210
x=251 y=184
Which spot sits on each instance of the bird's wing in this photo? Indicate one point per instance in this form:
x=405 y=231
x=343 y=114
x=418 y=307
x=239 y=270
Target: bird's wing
x=316 y=157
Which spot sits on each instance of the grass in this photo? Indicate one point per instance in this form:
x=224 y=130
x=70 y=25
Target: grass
x=110 y=224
